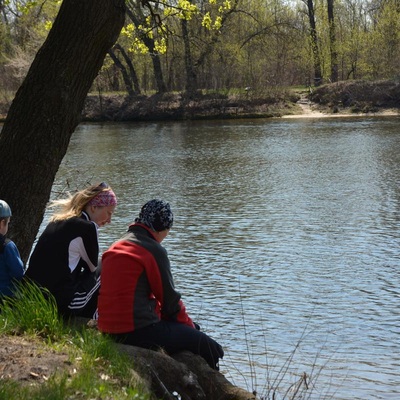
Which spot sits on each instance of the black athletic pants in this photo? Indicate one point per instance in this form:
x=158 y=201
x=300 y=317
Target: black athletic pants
x=174 y=337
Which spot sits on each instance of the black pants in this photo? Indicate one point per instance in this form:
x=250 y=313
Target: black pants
x=173 y=338
x=84 y=301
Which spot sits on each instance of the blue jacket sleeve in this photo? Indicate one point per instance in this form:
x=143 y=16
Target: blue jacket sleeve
x=14 y=264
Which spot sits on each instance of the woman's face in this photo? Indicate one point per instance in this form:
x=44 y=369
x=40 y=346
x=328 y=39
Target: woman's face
x=100 y=215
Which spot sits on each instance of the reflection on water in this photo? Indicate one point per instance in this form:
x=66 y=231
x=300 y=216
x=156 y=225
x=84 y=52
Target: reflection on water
x=286 y=238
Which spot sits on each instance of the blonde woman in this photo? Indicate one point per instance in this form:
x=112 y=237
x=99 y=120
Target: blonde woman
x=66 y=255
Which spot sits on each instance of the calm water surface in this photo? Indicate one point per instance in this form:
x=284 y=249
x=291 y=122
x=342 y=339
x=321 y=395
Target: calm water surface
x=286 y=242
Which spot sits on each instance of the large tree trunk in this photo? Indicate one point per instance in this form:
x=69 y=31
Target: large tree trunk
x=135 y=14
x=314 y=43
x=191 y=78
x=130 y=78
x=332 y=42
x=47 y=108
x=132 y=73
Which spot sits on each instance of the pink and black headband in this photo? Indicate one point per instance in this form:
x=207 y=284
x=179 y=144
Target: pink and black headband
x=104 y=199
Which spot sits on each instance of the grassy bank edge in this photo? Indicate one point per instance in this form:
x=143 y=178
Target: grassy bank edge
x=94 y=368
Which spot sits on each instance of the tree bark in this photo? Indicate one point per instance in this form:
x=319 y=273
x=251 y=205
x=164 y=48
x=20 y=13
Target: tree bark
x=332 y=42
x=314 y=43
x=127 y=79
x=149 y=42
x=191 y=78
x=47 y=108
x=132 y=73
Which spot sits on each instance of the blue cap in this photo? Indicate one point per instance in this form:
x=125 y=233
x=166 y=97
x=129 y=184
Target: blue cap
x=5 y=210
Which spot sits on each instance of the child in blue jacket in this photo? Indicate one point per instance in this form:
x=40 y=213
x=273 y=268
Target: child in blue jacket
x=11 y=265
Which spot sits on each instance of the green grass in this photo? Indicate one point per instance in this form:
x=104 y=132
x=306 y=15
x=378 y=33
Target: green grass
x=32 y=311
x=100 y=371
x=96 y=368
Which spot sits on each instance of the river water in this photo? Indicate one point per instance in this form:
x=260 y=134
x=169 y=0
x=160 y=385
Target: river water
x=286 y=239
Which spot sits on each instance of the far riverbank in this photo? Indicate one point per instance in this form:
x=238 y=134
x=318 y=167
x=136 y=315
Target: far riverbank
x=347 y=98
x=350 y=98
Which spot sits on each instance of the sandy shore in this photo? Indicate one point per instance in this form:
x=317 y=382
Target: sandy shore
x=310 y=111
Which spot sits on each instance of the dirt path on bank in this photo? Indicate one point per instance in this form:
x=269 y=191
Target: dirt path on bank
x=308 y=110
x=312 y=110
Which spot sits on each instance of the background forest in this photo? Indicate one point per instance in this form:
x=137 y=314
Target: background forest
x=220 y=45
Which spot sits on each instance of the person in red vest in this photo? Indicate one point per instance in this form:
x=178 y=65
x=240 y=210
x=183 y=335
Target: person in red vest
x=138 y=304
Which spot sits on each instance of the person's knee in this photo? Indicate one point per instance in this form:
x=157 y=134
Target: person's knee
x=211 y=351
